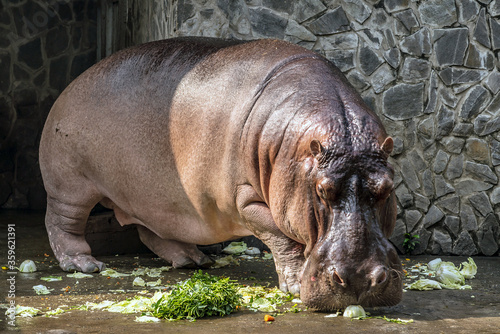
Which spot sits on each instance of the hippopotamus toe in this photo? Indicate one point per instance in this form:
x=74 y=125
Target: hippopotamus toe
x=83 y=263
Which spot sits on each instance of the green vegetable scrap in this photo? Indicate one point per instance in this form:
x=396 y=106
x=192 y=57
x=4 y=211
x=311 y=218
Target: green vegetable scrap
x=51 y=278
x=26 y=311
x=41 y=289
x=57 y=311
x=354 y=311
x=257 y=298
x=79 y=275
x=112 y=273
x=28 y=266
x=200 y=296
x=235 y=248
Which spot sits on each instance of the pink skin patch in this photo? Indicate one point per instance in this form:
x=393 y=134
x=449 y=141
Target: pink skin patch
x=313 y=279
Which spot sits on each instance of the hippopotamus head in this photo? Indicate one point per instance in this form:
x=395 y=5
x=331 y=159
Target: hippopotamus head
x=337 y=198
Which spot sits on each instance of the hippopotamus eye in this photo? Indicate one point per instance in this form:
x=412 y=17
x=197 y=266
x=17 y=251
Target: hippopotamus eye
x=326 y=191
x=383 y=189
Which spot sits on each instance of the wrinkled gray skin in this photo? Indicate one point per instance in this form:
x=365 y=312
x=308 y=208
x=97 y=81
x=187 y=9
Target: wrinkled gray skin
x=198 y=141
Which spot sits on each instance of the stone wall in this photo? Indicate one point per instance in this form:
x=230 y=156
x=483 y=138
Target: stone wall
x=43 y=46
x=430 y=70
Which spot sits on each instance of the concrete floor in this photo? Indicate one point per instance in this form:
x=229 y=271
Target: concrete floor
x=438 y=311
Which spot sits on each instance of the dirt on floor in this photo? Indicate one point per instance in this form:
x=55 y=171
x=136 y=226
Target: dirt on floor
x=438 y=311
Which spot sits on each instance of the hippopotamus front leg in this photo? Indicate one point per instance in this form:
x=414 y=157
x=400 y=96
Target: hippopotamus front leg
x=288 y=254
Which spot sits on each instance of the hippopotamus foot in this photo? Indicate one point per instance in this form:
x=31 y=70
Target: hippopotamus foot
x=84 y=263
x=65 y=225
x=288 y=260
x=179 y=254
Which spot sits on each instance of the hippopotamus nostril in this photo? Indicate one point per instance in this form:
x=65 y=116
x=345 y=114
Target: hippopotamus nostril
x=338 y=279
x=379 y=276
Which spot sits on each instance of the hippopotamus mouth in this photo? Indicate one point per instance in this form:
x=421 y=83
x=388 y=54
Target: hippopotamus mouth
x=340 y=282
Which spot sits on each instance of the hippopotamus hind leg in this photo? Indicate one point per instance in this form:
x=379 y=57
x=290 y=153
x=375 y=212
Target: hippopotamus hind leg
x=65 y=225
x=179 y=254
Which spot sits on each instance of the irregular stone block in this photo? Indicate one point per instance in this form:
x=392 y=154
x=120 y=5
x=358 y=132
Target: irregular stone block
x=31 y=54
x=454 y=76
x=468 y=218
x=332 y=22
x=56 y=41
x=395 y=101
x=467 y=10
x=495 y=153
x=493 y=82
x=453 y=224
x=395 y=5
x=440 y=242
x=476 y=58
x=393 y=57
x=450 y=45
x=409 y=175
x=58 y=74
x=478 y=150
x=453 y=144
x=481 y=171
x=451 y=204
x=442 y=187
x=345 y=40
x=412 y=217
x=441 y=161
x=5 y=72
x=455 y=167
x=438 y=13
x=295 y=33
x=358 y=80
x=343 y=59
x=446 y=121
x=432 y=94
x=495 y=34
x=481 y=203
x=404 y=196
x=433 y=216
x=495 y=196
x=427 y=183
x=487 y=234
x=422 y=202
x=467 y=187
x=464 y=245
x=415 y=70
x=424 y=237
x=485 y=125
x=304 y=10
x=286 y=6
x=417 y=44
x=369 y=60
x=267 y=23
x=398 y=235
x=357 y=9
x=408 y=19
x=463 y=130
x=494 y=8
x=426 y=132
x=481 y=31
x=476 y=100
x=382 y=77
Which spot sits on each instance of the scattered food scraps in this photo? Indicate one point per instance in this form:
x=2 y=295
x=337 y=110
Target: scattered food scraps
x=268 y=317
x=27 y=266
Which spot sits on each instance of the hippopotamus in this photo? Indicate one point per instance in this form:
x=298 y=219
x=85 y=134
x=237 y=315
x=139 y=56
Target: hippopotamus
x=200 y=140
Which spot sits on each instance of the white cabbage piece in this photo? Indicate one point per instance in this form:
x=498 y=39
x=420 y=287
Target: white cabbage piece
x=79 y=275
x=235 y=248
x=354 y=311
x=146 y=318
x=448 y=274
x=424 y=285
x=27 y=266
x=468 y=269
x=252 y=251
x=26 y=311
x=433 y=264
x=41 y=289
x=138 y=282
x=112 y=273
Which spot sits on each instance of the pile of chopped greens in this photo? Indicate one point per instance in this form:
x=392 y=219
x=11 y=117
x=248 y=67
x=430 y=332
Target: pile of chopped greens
x=200 y=296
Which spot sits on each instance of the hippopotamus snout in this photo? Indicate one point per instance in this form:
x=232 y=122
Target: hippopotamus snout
x=352 y=280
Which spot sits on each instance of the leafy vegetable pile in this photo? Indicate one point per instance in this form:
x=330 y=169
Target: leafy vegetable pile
x=200 y=296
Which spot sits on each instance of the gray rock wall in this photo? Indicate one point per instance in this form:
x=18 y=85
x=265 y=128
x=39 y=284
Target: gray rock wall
x=43 y=46
x=431 y=71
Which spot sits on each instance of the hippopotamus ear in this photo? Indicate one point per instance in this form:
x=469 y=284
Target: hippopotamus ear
x=316 y=148
x=387 y=145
